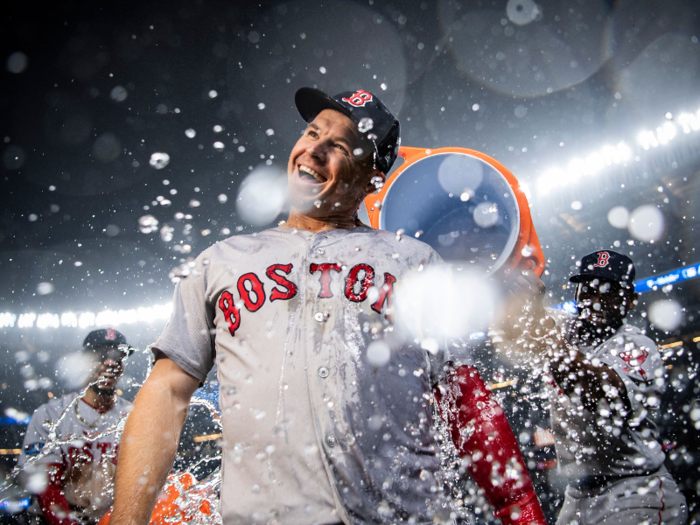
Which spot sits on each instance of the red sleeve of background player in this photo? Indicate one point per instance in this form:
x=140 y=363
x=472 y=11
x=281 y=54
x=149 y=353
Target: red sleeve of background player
x=52 y=501
x=483 y=437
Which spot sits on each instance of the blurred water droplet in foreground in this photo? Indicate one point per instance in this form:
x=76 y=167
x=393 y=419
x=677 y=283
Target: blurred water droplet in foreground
x=486 y=214
x=73 y=370
x=619 y=217
x=647 y=223
x=148 y=224
x=441 y=302
x=166 y=233
x=666 y=314
x=44 y=288
x=17 y=62
x=118 y=93
x=378 y=353
x=365 y=125
x=159 y=160
x=262 y=195
x=190 y=133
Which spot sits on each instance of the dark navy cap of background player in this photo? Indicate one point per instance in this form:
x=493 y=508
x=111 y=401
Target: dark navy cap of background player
x=107 y=337
x=385 y=130
x=606 y=264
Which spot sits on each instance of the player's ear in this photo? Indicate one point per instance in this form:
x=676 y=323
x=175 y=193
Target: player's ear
x=632 y=300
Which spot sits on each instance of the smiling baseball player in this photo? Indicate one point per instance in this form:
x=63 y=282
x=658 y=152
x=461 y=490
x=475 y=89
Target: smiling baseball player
x=318 y=426
x=605 y=381
x=73 y=440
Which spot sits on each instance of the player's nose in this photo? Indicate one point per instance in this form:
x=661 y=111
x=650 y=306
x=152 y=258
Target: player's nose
x=318 y=150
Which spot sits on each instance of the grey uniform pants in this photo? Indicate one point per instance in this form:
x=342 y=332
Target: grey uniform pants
x=653 y=499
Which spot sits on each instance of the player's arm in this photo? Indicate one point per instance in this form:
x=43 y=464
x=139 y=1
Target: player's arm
x=52 y=500
x=483 y=438
x=150 y=441
x=531 y=333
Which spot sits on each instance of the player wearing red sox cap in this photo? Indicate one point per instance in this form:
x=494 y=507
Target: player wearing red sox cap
x=71 y=440
x=316 y=429
x=605 y=379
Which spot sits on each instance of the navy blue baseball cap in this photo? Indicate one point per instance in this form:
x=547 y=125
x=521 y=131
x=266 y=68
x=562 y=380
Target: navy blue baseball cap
x=373 y=119
x=107 y=337
x=606 y=264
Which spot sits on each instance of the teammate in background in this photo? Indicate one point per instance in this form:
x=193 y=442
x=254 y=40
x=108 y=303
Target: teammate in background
x=318 y=426
x=79 y=473
x=606 y=379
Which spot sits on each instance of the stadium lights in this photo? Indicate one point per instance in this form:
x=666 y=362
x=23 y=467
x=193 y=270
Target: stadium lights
x=43 y=321
x=592 y=164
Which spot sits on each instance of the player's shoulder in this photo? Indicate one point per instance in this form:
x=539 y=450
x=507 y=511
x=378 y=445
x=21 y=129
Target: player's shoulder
x=55 y=407
x=123 y=405
x=397 y=240
x=632 y=335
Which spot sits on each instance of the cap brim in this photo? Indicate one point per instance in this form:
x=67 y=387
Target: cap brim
x=590 y=277
x=310 y=102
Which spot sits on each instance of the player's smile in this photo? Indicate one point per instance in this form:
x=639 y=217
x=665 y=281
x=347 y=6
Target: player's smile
x=309 y=175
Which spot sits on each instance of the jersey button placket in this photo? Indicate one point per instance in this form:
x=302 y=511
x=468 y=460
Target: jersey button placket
x=323 y=372
x=331 y=440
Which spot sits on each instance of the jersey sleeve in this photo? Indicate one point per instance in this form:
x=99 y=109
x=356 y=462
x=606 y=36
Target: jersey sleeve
x=188 y=338
x=635 y=358
x=35 y=438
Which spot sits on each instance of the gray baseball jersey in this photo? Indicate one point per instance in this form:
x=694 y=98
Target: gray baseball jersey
x=319 y=425
x=590 y=444
x=85 y=446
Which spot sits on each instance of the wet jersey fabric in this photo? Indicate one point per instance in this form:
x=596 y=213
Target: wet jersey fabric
x=320 y=422
x=590 y=445
x=87 y=449
x=653 y=499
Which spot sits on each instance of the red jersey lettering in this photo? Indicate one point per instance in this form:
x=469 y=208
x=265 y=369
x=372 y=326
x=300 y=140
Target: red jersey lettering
x=355 y=288
x=255 y=297
x=325 y=280
x=231 y=313
x=291 y=288
x=384 y=292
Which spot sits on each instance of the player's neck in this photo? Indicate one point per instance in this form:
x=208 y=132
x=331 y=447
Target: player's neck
x=318 y=224
x=99 y=401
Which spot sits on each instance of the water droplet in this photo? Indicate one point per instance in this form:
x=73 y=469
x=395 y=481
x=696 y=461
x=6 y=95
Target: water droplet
x=322 y=70
x=399 y=234
x=166 y=233
x=270 y=132
x=194 y=203
x=365 y=125
x=261 y=106
x=118 y=93
x=317 y=203
x=190 y=133
x=377 y=182
x=16 y=62
x=358 y=152
x=218 y=145
x=159 y=160
x=378 y=353
x=148 y=224
x=223 y=198
x=619 y=217
x=383 y=86
x=44 y=288
x=213 y=94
